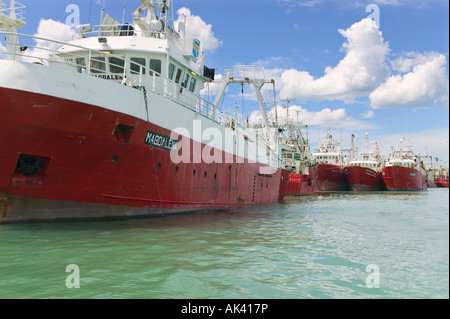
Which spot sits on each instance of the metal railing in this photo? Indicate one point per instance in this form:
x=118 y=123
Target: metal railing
x=18 y=10
x=45 y=52
x=246 y=71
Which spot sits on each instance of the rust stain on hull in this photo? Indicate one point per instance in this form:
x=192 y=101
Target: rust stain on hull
x=4 y=208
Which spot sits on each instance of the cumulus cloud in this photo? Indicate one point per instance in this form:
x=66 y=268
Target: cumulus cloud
x=299 y=115
x=425 y=85
x=195 y=27
x=406 y=63
x=354 y=3
x=52 y=30
x=426 y=142
x=362 y=69
x=211 y=88
x=367 y=115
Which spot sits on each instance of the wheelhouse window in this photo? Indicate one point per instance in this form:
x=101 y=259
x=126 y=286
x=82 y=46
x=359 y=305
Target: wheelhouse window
x=98 y=65
x=81 y=65
x=136 y=64
x=171 y=71
x=192 y=84
x=155 y=65
x=116 y=65
x=178 y=76
x=186 y=80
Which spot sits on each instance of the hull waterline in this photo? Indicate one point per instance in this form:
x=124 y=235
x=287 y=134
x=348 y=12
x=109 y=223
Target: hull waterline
x=360 y=178
x=66 y=159
x=397 y=178
x=330 y=178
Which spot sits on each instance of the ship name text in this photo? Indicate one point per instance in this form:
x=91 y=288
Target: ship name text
x=161 y=141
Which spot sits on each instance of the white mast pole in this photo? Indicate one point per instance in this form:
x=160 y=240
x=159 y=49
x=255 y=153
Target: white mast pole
x=124 y=8
x=102 y=12
x=12 y=11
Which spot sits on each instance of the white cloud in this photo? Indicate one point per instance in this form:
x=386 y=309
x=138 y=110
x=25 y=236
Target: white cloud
x=357 y=3
x=197 y=28
x=361 y=70
x=406 y=63
x=212 y=89
x=55 y=30
x=432 y=142
x=367 y=115
x=52 y=30
x=326 y=117
x=426 y=85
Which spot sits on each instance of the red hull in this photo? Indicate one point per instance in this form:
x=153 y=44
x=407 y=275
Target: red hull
x=302 y=184
x=362 y=179
x=398 y=178
x=93 y=162
x=330 y=178
x=441 y=182
x=294 y=185
x=308 y=184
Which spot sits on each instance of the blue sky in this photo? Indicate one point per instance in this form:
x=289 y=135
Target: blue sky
x=340 y=72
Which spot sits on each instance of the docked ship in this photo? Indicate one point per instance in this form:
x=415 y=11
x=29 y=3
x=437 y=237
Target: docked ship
x=302 y=175
x=364 y=172
x=113 y=124
x=404 y=171
x=441 y=178
x=296 y=156
x=328 y=163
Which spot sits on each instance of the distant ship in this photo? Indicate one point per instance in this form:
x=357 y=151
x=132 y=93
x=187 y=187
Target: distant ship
x=364 y=173
x=328 y=163
x=296 y=157
x=441 y=178
x=112 y=124
x=404 y=171
x=302 y=179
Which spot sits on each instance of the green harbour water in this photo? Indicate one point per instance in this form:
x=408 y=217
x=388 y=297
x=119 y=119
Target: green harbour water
x=336 y=245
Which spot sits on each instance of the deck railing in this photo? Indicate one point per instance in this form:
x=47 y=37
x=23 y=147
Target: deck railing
x=18 y=10
x=46 y=52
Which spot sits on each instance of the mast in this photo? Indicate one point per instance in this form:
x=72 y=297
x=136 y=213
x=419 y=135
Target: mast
x=124 y=9
x=159 y=14
x=353 y=147
x=11 y=19
x=102 y=12
x=250 y=75
x=367 y=142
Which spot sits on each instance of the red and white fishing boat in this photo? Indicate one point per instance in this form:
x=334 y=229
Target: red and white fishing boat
x=404 y=171
x=441 y=178
x=328 y=163
x=302 y=176
x=113 y=124
x=296 y=156
x=364 y=173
